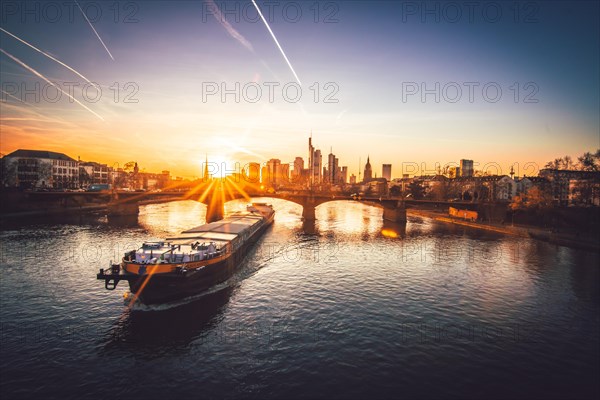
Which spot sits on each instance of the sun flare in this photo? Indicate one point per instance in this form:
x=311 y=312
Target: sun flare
x=217 y=166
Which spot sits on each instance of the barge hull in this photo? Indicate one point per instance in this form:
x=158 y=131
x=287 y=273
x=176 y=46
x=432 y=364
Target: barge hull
x=162 y=288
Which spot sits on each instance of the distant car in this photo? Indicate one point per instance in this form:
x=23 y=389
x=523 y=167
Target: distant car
x=99 y=187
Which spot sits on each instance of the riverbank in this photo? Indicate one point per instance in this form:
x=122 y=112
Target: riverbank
x=55 y=211
x=561 y=238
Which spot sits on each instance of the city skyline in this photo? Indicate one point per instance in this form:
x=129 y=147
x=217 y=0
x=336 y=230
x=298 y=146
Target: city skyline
x=220 y=167
x=391 y=88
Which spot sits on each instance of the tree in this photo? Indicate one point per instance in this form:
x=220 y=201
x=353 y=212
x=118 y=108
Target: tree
x=454 y=189
x=537 y=199
x=568 y=162
x=534 y=199
x=84 y=178
x=452 y=173
x=44 y=171
x=589 y=161
x=395 y=190
x=583 y=192
x=129 y=166
x=517 y=203
x=8 y=172
x=439 y=191
x=416 y=190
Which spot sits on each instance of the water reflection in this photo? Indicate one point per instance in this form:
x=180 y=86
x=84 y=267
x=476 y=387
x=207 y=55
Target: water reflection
x=584 y=281
x=52 y=219
x=178 y=325
x=309 y=227
x=393 y=230
x=123 y=221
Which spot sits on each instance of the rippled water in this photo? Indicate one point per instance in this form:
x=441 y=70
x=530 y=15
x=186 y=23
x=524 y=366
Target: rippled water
x=348 y=307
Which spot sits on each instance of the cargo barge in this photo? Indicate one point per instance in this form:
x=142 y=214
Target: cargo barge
x=192 y=262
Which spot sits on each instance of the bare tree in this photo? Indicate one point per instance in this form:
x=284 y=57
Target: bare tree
x=129 y=166
x=568 y=162
x=589 y=161
x=8 y=172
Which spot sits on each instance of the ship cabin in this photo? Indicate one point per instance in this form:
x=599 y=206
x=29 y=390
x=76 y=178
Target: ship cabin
x=201 y=243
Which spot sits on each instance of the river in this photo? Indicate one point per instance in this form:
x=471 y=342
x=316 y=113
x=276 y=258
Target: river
x=347 y=307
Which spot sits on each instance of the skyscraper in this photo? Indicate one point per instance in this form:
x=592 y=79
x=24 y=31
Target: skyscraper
x=298 y=167
x=466 y=168
x=368 y=175
x=315 y=163
x=311 y=163
x=317 y=167
x=344 y=177
x=283 y=174
x=387 y=171
x=332 y=167
x=274 y=170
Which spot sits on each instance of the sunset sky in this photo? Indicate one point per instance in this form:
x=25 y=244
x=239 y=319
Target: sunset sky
x=168 y=54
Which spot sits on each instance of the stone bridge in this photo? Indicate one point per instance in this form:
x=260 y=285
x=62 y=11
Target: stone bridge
x=215 y=194
x=393 y=209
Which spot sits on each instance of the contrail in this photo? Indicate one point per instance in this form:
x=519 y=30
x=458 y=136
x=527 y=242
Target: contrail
x=47 y=119
x=94 y=29
x=47 y=55
x=15 y=59
x=276 y=42
x=230 y=29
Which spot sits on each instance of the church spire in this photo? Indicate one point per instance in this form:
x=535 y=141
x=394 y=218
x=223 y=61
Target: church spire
x=368 y=175
x=206 y=168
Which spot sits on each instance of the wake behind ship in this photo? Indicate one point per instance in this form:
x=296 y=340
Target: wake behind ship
x=192 y=262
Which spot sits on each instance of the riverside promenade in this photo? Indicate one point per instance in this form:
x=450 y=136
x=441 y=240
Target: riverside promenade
x=571 y=239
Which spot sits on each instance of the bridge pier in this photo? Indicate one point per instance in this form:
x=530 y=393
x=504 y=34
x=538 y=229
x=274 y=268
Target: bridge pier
x=215 y=210
x=216 y=204
x=308 y=213
x=117 y=209
x=308 y=208
x=395 y=214
x=122 y=208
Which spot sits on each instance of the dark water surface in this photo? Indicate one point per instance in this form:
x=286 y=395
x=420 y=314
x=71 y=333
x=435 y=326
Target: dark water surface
x=349 y=307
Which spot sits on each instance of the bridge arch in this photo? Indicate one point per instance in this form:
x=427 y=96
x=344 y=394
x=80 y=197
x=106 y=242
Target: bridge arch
x=393 y=210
